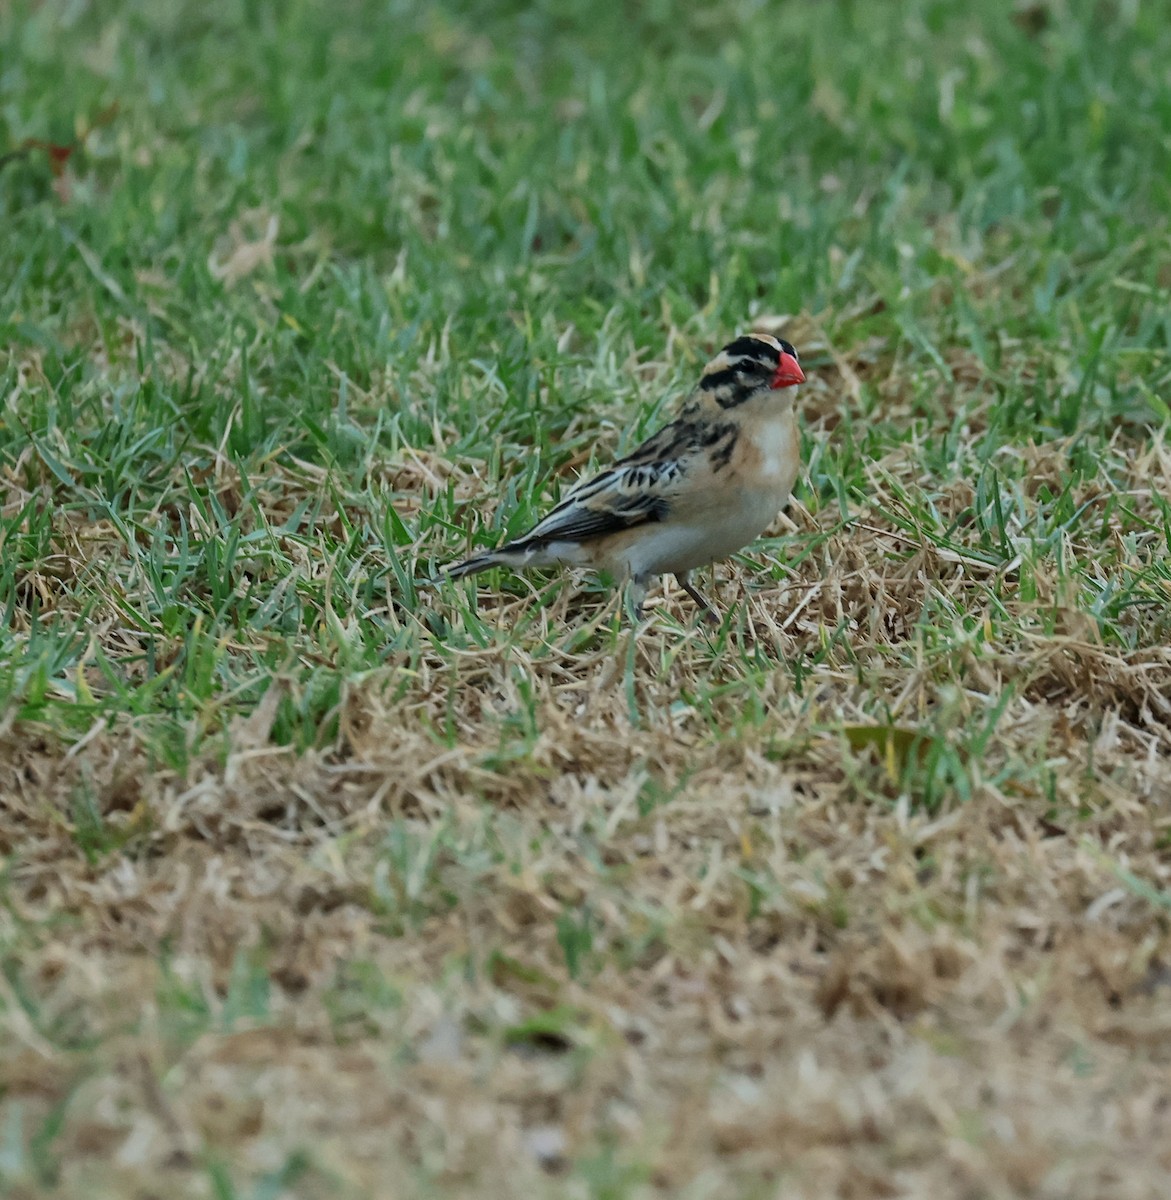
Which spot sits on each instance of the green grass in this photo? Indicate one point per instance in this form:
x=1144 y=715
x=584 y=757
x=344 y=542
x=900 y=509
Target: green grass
x=325 y=296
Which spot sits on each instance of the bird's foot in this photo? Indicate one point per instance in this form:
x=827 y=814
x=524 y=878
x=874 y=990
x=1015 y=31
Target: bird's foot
x=635 y=595
x=706 y=612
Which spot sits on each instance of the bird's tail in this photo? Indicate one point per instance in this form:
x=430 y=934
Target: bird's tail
x=481 y=562
x=517 y=555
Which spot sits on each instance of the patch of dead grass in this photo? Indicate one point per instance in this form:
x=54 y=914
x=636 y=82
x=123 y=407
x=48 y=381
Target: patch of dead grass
x=501 y=929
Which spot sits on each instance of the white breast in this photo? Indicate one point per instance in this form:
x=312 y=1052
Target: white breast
x=778 y=443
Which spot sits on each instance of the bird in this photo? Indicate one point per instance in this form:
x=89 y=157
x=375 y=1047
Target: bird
x=699 y=489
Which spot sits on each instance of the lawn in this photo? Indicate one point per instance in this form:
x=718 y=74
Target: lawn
x=319 y=880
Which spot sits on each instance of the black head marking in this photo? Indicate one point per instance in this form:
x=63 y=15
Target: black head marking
x=751 y=347
x=717 y=380
x=741 y=378
x=743 y=368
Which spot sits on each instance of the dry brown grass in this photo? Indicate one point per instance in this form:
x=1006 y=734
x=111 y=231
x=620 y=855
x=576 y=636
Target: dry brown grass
x=727 y=943
x=315 y=883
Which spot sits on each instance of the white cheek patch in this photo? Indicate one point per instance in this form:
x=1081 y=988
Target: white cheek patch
x=721 y=362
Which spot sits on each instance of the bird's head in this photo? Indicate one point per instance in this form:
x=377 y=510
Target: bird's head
x=749 y=367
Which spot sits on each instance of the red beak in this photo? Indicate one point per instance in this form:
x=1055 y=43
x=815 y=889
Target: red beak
x=788 y=373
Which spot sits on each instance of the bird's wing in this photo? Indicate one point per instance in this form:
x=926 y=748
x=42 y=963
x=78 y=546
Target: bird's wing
x=636 y=490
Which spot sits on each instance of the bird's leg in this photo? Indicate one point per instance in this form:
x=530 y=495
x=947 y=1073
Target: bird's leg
x=636 y=591
x=708 y=613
